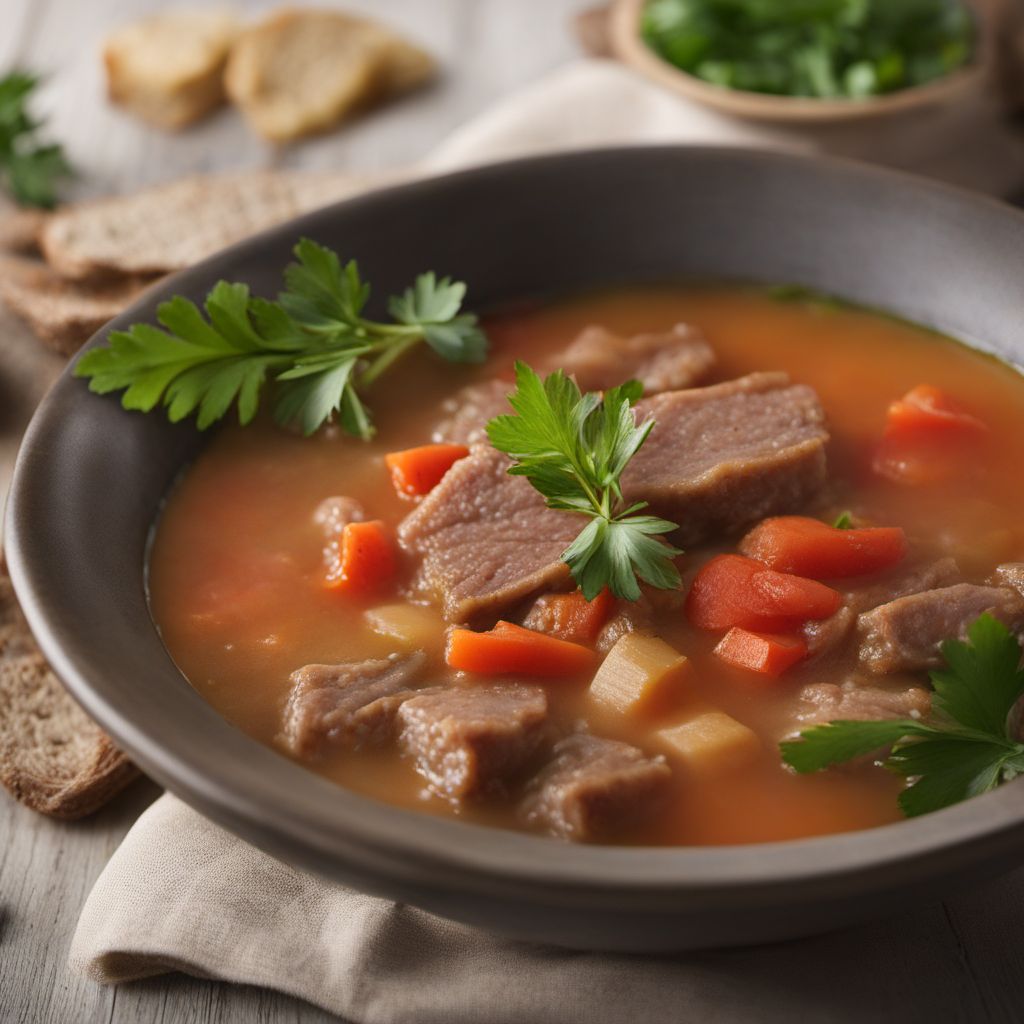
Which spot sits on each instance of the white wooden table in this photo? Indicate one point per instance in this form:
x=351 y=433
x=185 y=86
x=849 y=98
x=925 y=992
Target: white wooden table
x=966 y=963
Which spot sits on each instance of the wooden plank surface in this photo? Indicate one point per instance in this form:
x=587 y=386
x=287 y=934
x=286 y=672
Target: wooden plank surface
x=973 y=968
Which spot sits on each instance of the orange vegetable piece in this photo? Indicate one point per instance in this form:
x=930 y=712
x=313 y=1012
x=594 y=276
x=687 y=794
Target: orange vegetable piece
x=508 y=648
x=928 y=438
x=417 y=471
x=731 y=590
x=760 y=652
x=572 y=617
x=809 y=547
x=363 y=561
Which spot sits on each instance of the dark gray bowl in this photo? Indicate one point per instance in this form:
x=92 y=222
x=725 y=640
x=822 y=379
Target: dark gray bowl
x=90 y=479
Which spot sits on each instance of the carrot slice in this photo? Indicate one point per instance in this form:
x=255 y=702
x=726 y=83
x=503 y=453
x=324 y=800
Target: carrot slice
x=510 y=648
x=731 y=590
x=928 y=438
x=760 y=652
x=572 y=617
x=363 y=560
x=417 y=471
x=809 y=547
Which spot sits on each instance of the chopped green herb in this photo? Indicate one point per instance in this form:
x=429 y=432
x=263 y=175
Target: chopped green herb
x=573 y=448
x=969 y=749
x=314 y=341
x=29 y=169
x=817 y=48
x=844 y=521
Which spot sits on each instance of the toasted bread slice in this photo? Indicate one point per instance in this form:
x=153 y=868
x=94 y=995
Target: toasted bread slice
x=142 y=233
x=62 y=314
x=53 y=757
x=169 y=68
x=20 y=229
x=300 y=72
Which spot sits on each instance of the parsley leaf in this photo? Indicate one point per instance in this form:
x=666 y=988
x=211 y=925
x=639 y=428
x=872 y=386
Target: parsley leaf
x=970 y=747
x=844 y=521
x=314 y=343
x=29 y=169
x=573 y=448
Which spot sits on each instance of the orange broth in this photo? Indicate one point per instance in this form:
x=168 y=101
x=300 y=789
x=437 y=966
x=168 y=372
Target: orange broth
x=236 y=568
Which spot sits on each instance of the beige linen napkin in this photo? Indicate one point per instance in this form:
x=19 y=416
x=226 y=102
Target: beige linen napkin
x=182 y=894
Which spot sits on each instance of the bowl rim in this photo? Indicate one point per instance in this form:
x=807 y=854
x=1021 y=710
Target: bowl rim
x=628 y=45
x=391 y=843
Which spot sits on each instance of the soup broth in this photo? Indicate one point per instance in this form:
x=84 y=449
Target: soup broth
x=237 y=563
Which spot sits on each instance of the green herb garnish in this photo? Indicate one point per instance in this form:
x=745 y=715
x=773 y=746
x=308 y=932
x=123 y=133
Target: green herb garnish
x=844 y=521
x=313 y=341
x=574 y=448
x=817 y=48
x=970 y=748
x=29 y=169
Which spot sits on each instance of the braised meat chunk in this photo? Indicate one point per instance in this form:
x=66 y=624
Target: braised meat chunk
x=486 y=539
x=725 y=456
x=469 y=741
x=661 y=361
x=905 y=635
x=593 y=787
x=349 y=704
x=469 y=410
x=848 y=701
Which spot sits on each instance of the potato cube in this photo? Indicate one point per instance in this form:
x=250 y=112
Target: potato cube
x=640 y=674
x=712 y=742
x=415 y=627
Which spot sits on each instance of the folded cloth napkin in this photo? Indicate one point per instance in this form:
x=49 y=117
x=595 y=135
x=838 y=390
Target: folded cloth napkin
x=182 y=894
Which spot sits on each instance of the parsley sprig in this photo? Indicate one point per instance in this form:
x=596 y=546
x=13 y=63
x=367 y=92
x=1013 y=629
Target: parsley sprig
x=314 y=342
x=29 y=169
x=573 y=448
x=970 y=747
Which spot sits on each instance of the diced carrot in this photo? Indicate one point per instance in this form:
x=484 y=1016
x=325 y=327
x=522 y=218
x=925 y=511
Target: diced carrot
x=928 y=438
x=417 y=471
x=363 y=561
x=731 y=590
x=571 y=616
x=760 y=652
x=508 y=648
x=809 y=547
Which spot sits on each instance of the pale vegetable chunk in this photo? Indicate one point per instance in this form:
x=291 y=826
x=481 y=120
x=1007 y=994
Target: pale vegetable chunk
x=414 y=627
x=641 y=673
x=711 y=743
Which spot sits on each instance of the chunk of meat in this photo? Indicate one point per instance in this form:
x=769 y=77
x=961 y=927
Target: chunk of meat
x=333 y=514
x=905 y=635
x=629 y=617
x=349 y=704
x=827 y=634
x=486 y=539
x=468 y=411
x=662 y=361
x=594 y=788
x=1010 y=574
x=828 y=702
x=723 y=457
x=469 y=741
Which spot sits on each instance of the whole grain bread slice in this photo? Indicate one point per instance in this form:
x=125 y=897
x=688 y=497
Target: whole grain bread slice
x=20 y=229
x=173 y=226
x=62 y=314
x=53 y=757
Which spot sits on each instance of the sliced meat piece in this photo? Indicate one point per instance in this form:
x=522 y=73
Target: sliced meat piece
x=661 y=361
x=629 y=617
x=904 y=635
x=594 y=788
x=827 y=702
x=723 y=457
x=333 y=514
x=469 y=410
x=486 y=539
x=469 y=741
x=827 y=634
x=349 y=705
x=1010 y=574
